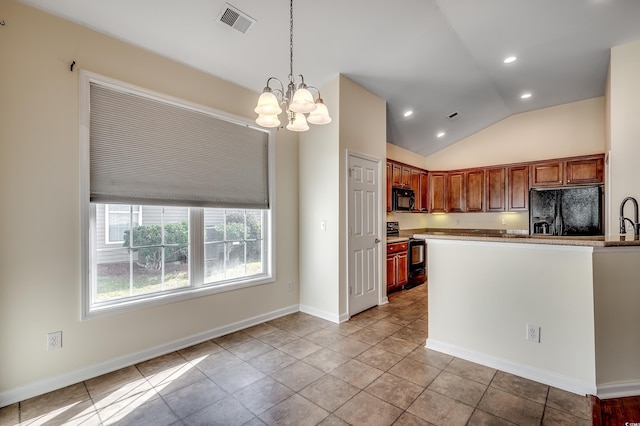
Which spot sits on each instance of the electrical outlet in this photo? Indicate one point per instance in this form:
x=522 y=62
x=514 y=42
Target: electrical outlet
x=290 y=286
x=54 y=340
x=533 y=333
x=503 y=221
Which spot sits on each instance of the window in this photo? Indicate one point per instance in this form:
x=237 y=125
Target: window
x=200 y=179
x=119 y=218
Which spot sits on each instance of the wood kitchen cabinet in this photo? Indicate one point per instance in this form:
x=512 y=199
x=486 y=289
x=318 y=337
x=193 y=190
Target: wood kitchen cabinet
x=415 y=185
x=585 y=170
x=397 y=265
x=568 y=171
x=406 y=177
x=396 y=174
x=456 y=192
x=424 y=191
x=389 y=185
x=518 y=188
x=437 y=192
x=401 y=175
x=474 y=190
x=496 y=188
x=550 y=173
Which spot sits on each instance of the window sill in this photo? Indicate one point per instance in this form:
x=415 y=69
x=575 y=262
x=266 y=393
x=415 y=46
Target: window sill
x=115 y=308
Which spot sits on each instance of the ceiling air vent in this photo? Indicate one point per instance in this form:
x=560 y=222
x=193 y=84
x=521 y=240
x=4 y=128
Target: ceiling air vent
x=453 y=115
x=235 y=18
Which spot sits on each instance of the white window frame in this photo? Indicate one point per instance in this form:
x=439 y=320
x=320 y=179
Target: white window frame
x=107 y=231
x=197 y=287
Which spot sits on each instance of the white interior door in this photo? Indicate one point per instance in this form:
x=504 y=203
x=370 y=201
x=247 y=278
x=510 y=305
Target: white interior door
x=364 y=240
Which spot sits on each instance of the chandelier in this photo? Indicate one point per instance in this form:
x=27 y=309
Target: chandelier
x=297 y=100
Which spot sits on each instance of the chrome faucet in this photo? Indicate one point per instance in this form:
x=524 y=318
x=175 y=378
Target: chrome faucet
x=623 y=220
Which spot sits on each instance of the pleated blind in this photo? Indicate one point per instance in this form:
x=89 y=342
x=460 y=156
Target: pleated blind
x=150 y=152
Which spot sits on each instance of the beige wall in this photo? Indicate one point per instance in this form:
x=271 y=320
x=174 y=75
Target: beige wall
x=319 y=176
x=323 y=183
x=505 y=287
x=40 y=208
x=561 y=131
x=616 y=294
x=363 y=130
x=624 y=104
x=567 y=130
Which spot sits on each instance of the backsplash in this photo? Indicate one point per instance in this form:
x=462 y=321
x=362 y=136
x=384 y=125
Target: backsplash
x=515 y=220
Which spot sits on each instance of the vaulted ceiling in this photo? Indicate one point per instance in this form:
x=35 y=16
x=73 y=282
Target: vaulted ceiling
x=433 y=57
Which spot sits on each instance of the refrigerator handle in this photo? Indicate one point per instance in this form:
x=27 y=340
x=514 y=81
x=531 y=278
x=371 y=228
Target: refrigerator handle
x=559 y=218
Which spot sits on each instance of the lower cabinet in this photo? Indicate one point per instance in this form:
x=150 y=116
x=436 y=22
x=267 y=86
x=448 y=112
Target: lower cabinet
x=397 y=265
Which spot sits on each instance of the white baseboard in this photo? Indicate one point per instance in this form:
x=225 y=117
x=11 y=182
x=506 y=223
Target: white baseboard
x=569 y=384
x=618 y=390
x=49 y=384
x=322 y=314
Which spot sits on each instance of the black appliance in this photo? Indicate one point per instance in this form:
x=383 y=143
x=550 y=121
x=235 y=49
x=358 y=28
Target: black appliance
x=402 y=199
x=417 y=256
x=566 y=211
x=417 y=261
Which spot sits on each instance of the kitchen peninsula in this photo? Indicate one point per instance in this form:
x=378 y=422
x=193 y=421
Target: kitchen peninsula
x=487 y=289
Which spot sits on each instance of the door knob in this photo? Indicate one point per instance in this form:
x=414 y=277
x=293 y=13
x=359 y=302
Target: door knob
x=377 y=240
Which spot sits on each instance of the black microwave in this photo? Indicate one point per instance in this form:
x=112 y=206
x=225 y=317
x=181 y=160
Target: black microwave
x=403 y=199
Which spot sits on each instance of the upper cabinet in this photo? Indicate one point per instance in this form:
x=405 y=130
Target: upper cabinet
x=549 y=173
x=490 y=189
x=404 y=176
x=474 y=190
x=585 y=170
x=389 y=185
x=438 y=192
x=495 y=188
x=569 y=171
x=456 y=192
x=518 y=188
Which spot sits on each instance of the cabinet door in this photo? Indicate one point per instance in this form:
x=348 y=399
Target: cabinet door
x=415 y=185
x=586 y=170
x=389 y=185
x=424 y=191
x=391 y=272
x=496 y=189
x=406 y=177
x=547 y=174
x=456 y=192
x=474 y=200
x=437 y=192
x=397 y=174
x=518 y=188
x=403 y=268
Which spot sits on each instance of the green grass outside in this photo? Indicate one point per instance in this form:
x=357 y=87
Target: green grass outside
x=113 y=280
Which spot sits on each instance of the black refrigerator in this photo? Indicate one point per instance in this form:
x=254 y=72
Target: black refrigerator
x=566 y=211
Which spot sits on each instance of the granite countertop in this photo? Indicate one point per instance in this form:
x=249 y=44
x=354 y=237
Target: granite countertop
x=519 y=236
x=391 y=240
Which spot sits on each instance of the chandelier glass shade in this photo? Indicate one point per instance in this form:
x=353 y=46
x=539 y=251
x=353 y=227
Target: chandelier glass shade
x=297 y=100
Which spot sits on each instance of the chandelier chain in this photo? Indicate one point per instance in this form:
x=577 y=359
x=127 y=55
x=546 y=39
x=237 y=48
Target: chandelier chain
x=291 y=40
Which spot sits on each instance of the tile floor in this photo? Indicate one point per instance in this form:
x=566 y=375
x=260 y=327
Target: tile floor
x=301 y=370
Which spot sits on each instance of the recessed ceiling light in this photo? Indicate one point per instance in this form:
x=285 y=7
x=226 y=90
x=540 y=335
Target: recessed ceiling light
x=526 y=95
x=510 y=59
x=408 y=113
x=440 y=134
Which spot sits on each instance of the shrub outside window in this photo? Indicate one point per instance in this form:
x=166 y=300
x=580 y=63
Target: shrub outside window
x=200 y=178
x=159 y=257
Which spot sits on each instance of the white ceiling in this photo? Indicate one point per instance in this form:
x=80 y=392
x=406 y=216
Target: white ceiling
x=432 y=56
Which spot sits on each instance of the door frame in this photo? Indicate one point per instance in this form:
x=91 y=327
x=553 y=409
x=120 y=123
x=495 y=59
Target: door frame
x=382 y=294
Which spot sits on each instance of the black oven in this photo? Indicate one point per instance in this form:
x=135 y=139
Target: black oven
x=417 y=261
x=402 y=199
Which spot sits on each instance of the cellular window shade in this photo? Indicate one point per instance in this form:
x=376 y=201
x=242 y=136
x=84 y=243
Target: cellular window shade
x=148 y=151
